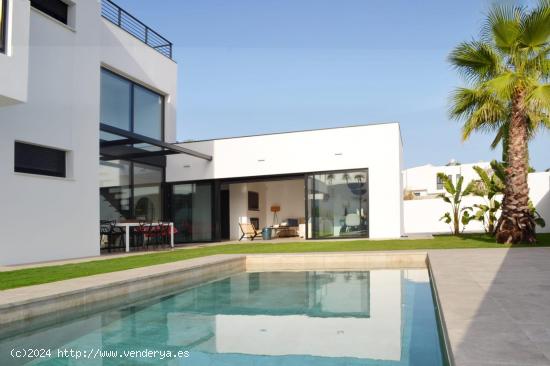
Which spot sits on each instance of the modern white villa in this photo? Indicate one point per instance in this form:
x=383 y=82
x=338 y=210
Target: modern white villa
x=87 y=91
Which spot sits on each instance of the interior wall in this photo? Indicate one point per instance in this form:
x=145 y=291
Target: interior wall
x=288 y=194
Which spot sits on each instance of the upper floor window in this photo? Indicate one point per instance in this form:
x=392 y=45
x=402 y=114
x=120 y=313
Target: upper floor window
x=40 y=160
x=57 y=9
x=131 y=107
x=3 y=24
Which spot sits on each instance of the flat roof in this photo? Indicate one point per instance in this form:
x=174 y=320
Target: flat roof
x=288 y=132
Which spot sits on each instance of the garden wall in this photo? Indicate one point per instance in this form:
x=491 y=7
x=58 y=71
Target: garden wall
x=422 y=216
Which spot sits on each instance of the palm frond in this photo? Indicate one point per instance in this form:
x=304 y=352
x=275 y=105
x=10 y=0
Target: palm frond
x=502 y=86
x=503 y=26
x=487 y=117
x=539 y=98
x=500 y=136
x=499 y=171
x=539 y=63
x=476 y=60
x=535 y=27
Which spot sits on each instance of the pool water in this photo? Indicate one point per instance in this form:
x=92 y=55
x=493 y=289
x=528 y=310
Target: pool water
x=377 y=317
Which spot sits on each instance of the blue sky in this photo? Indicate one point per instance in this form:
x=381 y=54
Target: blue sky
x=261 y=66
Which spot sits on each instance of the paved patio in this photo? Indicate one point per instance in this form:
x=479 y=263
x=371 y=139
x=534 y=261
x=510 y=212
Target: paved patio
x=496 y=304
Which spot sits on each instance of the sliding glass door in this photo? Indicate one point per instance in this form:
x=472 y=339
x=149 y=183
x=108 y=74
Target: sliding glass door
x=338 y=204
x=192 y=212
x=130 y=191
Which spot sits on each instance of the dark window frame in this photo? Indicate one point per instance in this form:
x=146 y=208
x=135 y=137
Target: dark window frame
x=18 y=167
x=133 y=84
x=253 y=197
x=45 y=6
x=4 y=26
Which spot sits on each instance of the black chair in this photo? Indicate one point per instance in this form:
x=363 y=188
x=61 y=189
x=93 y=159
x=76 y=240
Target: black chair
x=111 y=232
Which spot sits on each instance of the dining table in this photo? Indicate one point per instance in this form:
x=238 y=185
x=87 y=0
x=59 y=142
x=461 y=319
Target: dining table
x=128 y=225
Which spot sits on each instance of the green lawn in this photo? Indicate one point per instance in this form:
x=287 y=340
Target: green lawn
x=34 y=276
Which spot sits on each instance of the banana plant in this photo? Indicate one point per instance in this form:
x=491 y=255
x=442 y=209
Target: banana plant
x=453 y=196
x=489 y=186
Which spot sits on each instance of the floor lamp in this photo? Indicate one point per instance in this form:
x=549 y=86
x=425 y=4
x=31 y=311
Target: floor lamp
x=275 y=209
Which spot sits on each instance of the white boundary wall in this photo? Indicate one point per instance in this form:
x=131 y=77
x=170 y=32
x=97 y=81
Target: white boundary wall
x=422 y=216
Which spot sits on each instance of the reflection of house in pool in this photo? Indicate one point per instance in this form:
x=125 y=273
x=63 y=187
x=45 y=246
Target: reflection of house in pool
x=344 y=314
x=381 y=317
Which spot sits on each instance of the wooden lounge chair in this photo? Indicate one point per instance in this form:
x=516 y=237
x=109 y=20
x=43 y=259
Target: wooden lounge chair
x=249 y=231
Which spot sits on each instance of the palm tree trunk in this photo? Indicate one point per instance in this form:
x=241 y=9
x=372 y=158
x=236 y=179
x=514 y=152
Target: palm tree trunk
x=516 y=223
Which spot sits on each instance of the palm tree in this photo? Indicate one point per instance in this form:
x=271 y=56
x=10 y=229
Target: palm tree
x=507 y=72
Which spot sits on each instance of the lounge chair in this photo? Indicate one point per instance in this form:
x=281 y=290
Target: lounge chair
x=249 y=231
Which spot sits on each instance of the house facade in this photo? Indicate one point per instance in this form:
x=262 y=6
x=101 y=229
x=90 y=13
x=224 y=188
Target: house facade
x=88 y=117
x=423 y=182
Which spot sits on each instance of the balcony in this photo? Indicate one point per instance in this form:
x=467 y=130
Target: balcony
x=124 y=20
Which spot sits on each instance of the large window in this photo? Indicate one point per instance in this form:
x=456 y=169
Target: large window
x=3 y=24
x=337 y=204
x=40 y=160
x=57 y=9
x=130 y=106
x=192 y=212
x=130 y=191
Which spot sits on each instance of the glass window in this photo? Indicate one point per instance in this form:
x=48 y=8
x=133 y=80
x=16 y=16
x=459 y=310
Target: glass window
x=57 y=9
x=114 y=191
x=147 y=113
x=40 y=160
x=192 y=212
x=130 y=107
x=3 y=24
x=115 y=101
x=338 y=204
x=147 y=192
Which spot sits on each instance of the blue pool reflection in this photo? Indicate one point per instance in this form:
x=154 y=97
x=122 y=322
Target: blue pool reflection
x=378 y=317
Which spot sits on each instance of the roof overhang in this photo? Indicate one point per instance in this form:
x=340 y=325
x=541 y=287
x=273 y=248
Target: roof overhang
x=149 y=150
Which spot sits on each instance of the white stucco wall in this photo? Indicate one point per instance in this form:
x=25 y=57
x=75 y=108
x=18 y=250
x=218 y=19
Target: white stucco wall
x=422 y=215
x=49 y=218
x=46 y=218
x=376 y=147
x=424 y=178
x=14 y=62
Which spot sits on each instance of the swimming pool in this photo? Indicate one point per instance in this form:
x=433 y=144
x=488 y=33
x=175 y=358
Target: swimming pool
x=377 y=317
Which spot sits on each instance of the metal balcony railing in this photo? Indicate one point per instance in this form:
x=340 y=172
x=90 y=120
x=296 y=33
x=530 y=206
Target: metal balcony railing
x=124 y=20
